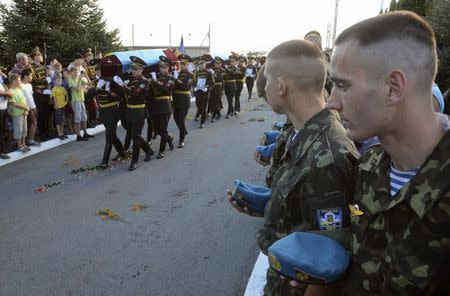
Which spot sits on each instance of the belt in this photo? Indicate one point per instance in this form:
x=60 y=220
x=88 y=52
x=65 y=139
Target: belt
x=183 y=92
x=232 y=80
x=163 y=98
x=107 y=105
x=136 y=106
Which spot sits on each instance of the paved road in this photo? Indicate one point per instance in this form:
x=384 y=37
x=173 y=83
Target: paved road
x=189 y=242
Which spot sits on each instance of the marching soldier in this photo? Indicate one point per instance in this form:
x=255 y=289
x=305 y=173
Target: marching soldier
x=40 y=84
x=162 y=104
x=91 y=104
x=203 y=82
x=250 y=74
x=108 y=100
x=240 y=77
x=217 y=89
x=136 y=92
x=182 y=96
x=230 y=84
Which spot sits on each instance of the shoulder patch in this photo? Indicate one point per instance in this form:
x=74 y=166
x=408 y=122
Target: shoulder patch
x=329 y=219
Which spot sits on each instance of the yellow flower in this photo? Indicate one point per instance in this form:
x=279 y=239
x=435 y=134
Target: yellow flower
x=103 y=217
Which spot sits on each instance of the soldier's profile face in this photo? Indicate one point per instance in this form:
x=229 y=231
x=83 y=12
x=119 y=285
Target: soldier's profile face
x=272 y=90
x=356 y=95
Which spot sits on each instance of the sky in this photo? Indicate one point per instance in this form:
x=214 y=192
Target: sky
x=238 y=25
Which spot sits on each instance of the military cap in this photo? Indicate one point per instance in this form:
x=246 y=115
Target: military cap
x=243 y=58
x=265 y=151
x=207 y=57
x=271 y=136
x=218 y=59
x=437 y=94
x=254 y=197
x=163 y=60
x=232 y=57
x=137 y=62
x=309 y=258
x=87 y=52
x=278 y=125
x=77 y=56
x=184 y=57
x=35 y=52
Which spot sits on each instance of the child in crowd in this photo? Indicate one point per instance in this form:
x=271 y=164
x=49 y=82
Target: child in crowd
x=68 y=112
x=60 y=99
x=19 y=110
x=4 y=95
x=26 y=77
x=77 y=83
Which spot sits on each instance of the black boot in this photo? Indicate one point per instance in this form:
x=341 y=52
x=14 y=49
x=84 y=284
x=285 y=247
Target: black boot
x=160 y=155
x=133 y=166
x=170 y=142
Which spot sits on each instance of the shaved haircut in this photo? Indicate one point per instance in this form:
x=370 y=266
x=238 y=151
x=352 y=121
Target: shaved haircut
x=400 y=39
x=302 y=62
x=261 y=83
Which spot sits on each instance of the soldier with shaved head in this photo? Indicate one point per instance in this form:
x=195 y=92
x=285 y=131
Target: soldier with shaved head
x=383 y=70
x=313 y=176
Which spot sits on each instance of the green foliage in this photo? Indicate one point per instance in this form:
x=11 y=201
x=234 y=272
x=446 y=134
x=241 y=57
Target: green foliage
x=66 y=26
x=393 y=5
x=418 y=6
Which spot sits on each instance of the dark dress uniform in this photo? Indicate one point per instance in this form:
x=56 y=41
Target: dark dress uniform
x=230 y=87
x=162 y=107
x=182 y=98
x=217 y=89
x=109 y=112
x=202 y=96
x=137 y=91
x=40 y=84
x=90 y=99
x=240 y=77
x=250 y=74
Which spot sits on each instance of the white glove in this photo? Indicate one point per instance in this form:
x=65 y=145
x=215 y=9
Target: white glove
x=126 y=82
x=47 y=92
x=118 y=80
x=211 y=71
x=108 y=86
x=205 y=89
x=101 y=83
x=175 y=74
x=49 y=80
x=153 y=74
x=195 y=89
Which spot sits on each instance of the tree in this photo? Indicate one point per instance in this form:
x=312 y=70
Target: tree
x=393 y=5
x=65 y=26
x=440 y=21
x=418 y=6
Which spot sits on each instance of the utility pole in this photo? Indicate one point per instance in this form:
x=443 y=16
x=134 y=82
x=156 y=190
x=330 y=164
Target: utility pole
x=132 y=35
x=209 y=37
x=327 y=43
x=336 y=11
x=170 y=36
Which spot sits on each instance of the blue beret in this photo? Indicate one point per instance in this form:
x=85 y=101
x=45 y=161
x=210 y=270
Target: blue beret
x=278 y=125
x=271 y=136
x=265 y=151
x=254 y=197
x=309 y=257
x=437 y=94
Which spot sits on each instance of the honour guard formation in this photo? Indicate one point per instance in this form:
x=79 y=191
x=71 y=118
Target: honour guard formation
x=356 y=195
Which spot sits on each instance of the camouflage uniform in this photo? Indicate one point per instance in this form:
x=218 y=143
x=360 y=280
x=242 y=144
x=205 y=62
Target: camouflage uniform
x=401 y=245
x=278 y=151
x=314 y=178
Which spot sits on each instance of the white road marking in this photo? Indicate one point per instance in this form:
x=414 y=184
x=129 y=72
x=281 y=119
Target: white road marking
x=255 y=285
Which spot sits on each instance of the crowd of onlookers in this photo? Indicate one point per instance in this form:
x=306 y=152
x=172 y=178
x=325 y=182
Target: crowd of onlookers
x=39 y=102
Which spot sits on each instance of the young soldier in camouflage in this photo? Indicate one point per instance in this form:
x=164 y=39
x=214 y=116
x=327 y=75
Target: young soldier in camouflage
x=316 y=167
x=383 y=69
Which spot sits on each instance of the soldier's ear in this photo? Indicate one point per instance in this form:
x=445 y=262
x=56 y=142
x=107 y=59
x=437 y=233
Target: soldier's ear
x=396 y=90
x=282 y=86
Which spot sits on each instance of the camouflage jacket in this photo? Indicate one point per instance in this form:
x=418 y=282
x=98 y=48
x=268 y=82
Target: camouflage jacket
x=313 y=183
x=278 y=151
x=401 y=245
